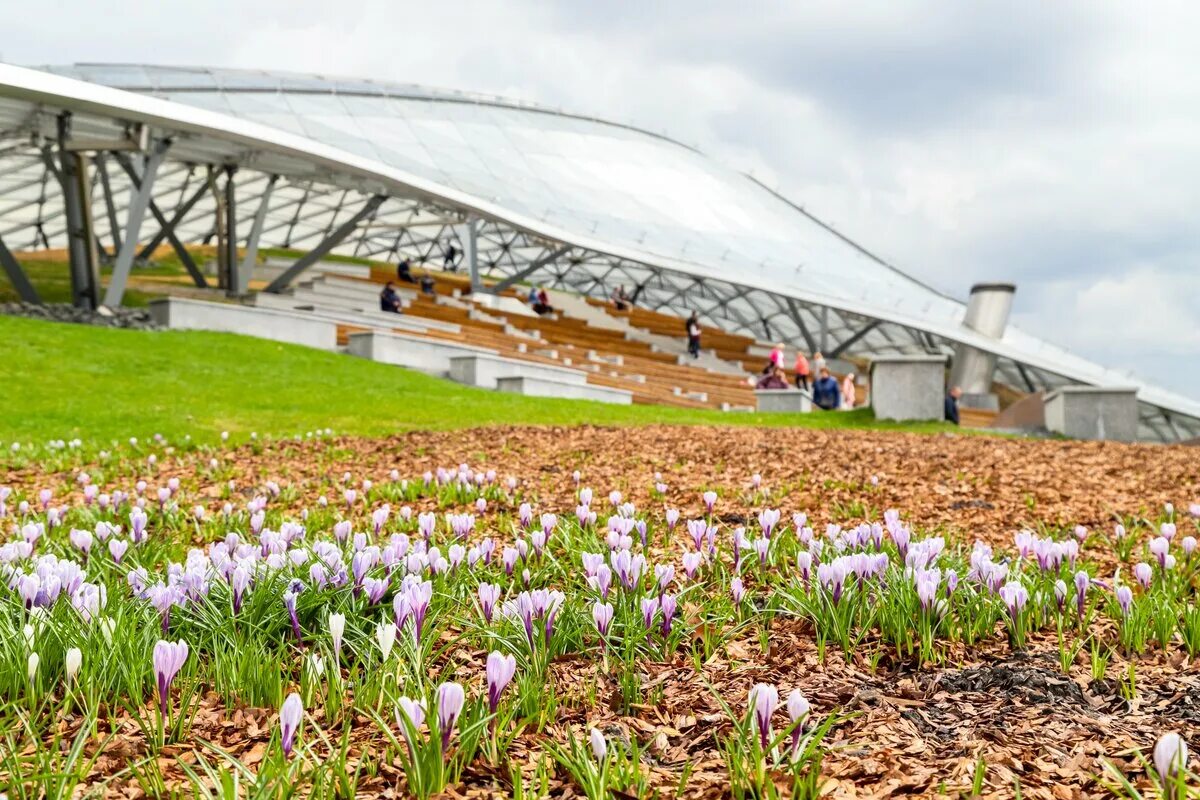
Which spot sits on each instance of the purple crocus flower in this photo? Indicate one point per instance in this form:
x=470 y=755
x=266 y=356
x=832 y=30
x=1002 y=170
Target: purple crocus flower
x=81 y=539
x=419 y=597
x=672 y=518
x=289 y=602
x=410 y=715
x=1124 y=599
x=797 y=708
x=450 y=700
x=649 y=609
x=290 y=716
x=1015 y=596
x=1160 y=546
x=762 y=701
x=117 y=548
x=239 y=582
x=169 y=657
x=1081 y=586
x=509 y=558
x=602 y=615
x=1170 y=756
x=1060 y=594
x=738 y=590
x=768 y=518
x=696 y=529
x=489 y=594
x=667 y=605
x=1144 y=573
x=500 y=670
x=691 y=563
x=710 y=500
x=137 y=525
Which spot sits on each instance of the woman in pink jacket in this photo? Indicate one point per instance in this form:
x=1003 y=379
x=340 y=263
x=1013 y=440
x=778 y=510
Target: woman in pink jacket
x=848 y=392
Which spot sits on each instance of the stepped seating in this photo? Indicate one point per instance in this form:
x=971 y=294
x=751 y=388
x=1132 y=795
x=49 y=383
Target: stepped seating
x=976 y=417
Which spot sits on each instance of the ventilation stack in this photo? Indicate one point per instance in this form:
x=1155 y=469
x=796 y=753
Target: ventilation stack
x=987 y=314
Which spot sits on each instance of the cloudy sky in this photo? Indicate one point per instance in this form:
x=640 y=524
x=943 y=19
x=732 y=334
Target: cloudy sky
x=1053 y=145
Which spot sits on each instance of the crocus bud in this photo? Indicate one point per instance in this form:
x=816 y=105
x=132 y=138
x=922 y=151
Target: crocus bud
x=31 y=666
x=599 y=745
x=337 y=628
x=450 y=700
x=72 y=661
x=290 y=716
x=1170 y=755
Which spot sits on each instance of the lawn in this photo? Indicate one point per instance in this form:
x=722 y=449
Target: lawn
x=68 y=381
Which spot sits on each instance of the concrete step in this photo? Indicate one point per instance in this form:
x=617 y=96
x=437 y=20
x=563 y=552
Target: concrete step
x=546 y=387
x=485 y=371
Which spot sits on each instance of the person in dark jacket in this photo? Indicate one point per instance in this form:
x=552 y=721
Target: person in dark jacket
x=693 y=335
x=952 y=404
x=389 y=300
x=826 y=393
x=404 y=271
x=775 y=379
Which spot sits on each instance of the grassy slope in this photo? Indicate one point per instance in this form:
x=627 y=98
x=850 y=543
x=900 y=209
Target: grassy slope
x=99 y=384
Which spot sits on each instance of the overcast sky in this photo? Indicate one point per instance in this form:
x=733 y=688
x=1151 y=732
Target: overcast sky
x=1056 y=145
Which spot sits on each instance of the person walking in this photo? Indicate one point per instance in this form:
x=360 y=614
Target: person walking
x=825 y=393
x=693 y=335
x=951 y=405
x=848 y=392
x=801 y=370
x=450 y=264
x=818 y=362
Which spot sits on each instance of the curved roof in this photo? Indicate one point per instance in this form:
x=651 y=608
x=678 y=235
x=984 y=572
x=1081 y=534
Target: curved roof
x=609 y=188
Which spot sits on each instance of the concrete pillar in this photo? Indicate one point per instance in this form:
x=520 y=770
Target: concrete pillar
x=987 y=314
x=1099 y=413
x=908 y=387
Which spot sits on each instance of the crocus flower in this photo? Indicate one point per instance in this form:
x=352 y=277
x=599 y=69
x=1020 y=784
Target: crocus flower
x=696 y=529
x=1188 y=544
x=1060 y=593
x=1143 y=573
x=337 y=628
x=1125 y=599
x=71 y=662
x=602 y=615
x=1081 y=586
x=290 y=716
x=410 y=715
x=599 y=745
x=1015 y=596
x=489 y=594
x=672 y=518
x=797 y=708
x=289 y=602
x=385 y=636
x=691 y=563
x=500 y=670
x=710 y=500
x=738 y=590
x=450 y=700
x=649 y=609
x=31 y=666
x=1170 y=756
x=768 y=518
x=117 y=548
x=763 y=699
x=169 y=658
x=667 y=605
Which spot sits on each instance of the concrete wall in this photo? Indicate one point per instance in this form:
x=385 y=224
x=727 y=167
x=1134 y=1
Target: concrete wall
x=1093 y=412
x=280 y=326
x=908 y=387
x=540 y=387
x=777 y=400
x=414 y=352
x=485 y=371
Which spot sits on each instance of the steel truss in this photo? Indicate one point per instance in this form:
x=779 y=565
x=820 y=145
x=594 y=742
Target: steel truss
x=118 y=207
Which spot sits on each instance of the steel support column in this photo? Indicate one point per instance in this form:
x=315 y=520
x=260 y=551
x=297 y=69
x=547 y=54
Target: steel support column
x=17 y=276
x=133 y=226
x=863 y=331
x=471 y=252
x=114 y=227
x=242 y=284
x=321 y=250
x=181 y=252
x=166 y=229
x=794 y=309
x=81 y=241
x=229 y=275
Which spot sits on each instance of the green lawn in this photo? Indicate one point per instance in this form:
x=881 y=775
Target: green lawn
x=61 y=381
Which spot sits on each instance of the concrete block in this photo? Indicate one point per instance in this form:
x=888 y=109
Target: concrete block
x=908 y=387
x=543 y=387
x=783 y=400
x=264 y=323
x=486 y=370
x=415 y=352
x=1093 y=412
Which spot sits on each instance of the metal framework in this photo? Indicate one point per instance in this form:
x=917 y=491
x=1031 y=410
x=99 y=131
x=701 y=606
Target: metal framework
x=239 y=193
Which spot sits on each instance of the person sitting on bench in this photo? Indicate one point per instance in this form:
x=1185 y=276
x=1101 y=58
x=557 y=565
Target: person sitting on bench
x=620 y=299
x=775 y=379
x=389 y=300
x=404 y=271
x=427 y=284
x=539 y=301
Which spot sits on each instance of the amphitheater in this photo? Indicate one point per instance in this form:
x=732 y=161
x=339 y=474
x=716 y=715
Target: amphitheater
x=288 y=200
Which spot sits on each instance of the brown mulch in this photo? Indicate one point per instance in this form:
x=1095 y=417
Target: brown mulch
x=910 y=730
